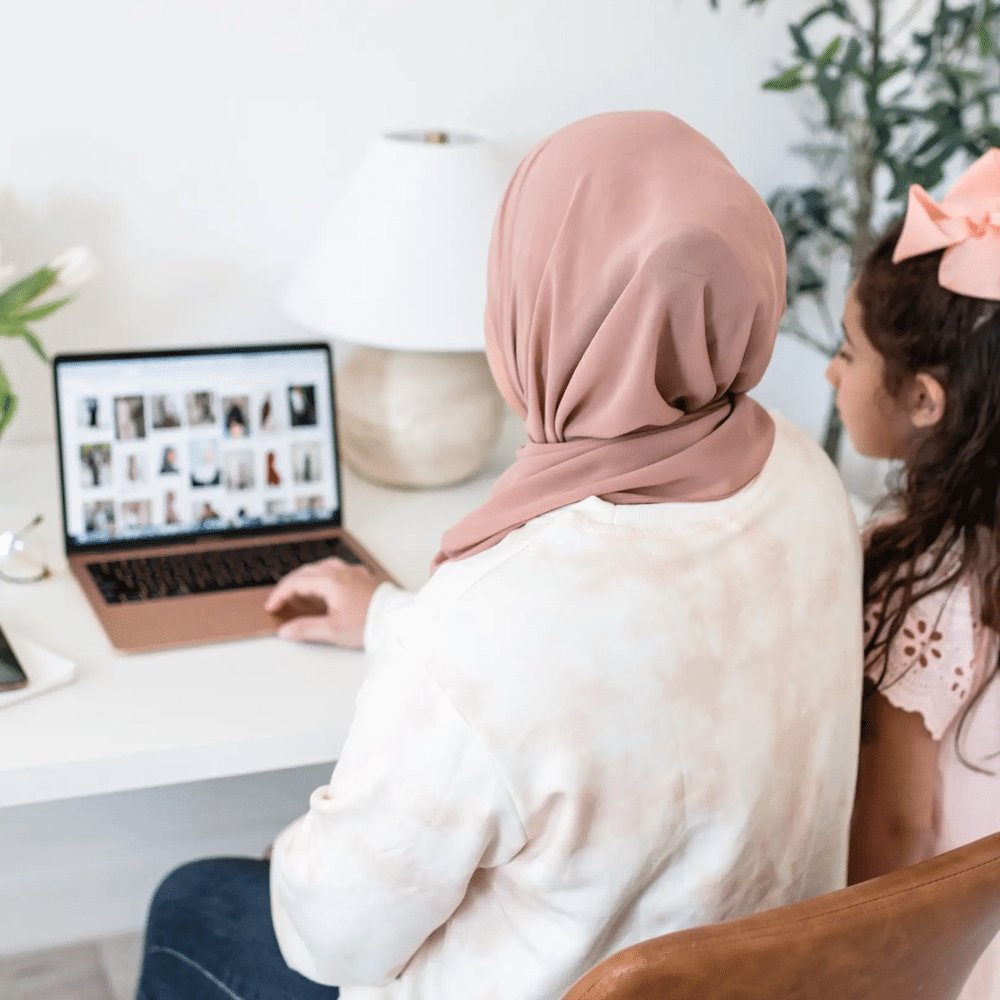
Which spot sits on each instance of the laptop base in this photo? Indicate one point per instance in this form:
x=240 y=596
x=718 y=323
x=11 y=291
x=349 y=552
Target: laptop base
x=194 y=619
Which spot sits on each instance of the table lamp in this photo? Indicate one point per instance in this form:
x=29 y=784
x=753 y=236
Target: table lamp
x=400 y=271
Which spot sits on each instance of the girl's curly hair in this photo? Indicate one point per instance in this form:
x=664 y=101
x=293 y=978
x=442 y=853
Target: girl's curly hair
x=948 y=493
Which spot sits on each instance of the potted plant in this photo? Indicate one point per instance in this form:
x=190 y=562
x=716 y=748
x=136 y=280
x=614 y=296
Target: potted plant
x=25 y=302
x=891 y=101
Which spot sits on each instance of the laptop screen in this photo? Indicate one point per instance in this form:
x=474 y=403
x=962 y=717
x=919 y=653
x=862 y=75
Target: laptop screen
x=155 y=446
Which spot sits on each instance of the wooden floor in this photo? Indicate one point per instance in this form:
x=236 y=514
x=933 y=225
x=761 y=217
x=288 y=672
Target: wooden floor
x=101 y=970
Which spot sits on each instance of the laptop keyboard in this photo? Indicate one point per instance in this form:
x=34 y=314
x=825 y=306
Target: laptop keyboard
x=211 y=571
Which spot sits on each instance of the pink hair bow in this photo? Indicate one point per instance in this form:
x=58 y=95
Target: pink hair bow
x=966 y=223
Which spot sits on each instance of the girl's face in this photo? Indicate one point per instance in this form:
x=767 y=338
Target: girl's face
x=878 y=425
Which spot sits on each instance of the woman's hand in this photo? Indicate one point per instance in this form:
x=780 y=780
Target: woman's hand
x=325 y=601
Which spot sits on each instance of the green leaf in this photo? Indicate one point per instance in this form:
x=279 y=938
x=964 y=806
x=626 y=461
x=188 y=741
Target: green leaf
x=889 y=70
x=985 y=39
x=789 y=79
x=883 y=136
x=831 y=89
x=982 y=97
x=8 y=402
x=35 y=344
x=830 y=51
x=40 y=312
x=815 y=15
x=816 y=204
x=904 y=173
x=931 y=173
x=926 y=43
x=852 y=56
x=926 y=146
x=23 y=291
x=841 y=10
x=956 y=77
x=802 y=47
x=19 y=330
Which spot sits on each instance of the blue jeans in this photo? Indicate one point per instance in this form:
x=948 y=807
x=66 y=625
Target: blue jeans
x=209 y=937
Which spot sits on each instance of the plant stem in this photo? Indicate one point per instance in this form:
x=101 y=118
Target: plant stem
x=791 y=326
x=865 y=153
x=832 y=327
x=834 y=432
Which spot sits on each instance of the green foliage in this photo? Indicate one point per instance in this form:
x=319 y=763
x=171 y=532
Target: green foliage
x=8 y=402
x=890 y=104
x=16 y=312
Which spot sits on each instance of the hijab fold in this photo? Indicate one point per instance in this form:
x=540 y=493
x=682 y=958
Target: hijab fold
x=635 y=286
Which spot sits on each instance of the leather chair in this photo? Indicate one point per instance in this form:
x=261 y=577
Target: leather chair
x=912 y=935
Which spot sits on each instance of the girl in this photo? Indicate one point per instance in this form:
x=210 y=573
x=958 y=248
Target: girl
x=918 y=379
x=626 y=702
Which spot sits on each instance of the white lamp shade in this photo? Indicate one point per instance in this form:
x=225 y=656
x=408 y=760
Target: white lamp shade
x=401 y=262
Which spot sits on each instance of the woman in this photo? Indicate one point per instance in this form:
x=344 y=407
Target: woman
x=627 y=700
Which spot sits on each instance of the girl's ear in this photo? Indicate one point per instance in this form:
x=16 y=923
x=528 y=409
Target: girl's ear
x=927 y=401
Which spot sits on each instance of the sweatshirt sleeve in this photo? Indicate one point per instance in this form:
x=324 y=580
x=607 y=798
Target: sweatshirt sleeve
x=387 y=850
x=387 y=599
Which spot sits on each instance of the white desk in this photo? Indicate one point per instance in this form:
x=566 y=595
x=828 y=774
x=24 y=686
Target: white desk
x=129 y=722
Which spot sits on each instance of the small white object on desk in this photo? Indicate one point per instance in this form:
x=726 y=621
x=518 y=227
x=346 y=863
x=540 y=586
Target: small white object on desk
x=46 y=670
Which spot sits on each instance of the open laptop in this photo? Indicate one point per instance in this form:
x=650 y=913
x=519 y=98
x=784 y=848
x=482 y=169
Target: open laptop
x=192 y=480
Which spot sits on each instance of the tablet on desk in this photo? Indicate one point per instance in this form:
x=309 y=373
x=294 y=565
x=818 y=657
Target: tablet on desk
x=12 y=675
x=28 y=669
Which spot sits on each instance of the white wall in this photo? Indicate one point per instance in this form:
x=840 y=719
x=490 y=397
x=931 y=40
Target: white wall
x=192 y=145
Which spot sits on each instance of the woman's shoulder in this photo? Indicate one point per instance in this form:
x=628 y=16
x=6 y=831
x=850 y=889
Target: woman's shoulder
x=456 y=586
x=798 y=442
x=801 y=465
x=797 y=474
x=802 y=488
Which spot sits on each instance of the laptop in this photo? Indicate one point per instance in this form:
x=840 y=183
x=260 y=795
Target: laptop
x=192 y=481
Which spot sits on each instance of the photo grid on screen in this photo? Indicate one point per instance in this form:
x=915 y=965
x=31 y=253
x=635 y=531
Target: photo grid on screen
x=157 y=446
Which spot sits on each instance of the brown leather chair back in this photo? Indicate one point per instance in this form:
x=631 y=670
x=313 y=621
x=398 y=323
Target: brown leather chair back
x=913 y=934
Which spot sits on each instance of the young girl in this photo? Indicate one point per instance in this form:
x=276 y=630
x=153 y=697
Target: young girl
x=918 y=379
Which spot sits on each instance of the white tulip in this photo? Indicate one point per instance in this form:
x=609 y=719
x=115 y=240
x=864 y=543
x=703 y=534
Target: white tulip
x=75 y=267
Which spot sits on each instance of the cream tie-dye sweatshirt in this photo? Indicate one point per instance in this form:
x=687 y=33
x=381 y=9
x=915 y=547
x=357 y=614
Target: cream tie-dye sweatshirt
x=618 y=722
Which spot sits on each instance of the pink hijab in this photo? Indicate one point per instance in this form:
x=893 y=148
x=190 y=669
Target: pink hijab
x=635 y=286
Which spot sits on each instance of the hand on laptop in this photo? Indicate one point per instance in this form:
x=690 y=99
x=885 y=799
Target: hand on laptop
x=326 y=601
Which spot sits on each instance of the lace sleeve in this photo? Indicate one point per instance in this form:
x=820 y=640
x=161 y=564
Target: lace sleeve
x=931 y=662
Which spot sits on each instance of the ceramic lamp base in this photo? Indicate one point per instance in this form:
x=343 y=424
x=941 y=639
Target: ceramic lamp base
x=417 y=419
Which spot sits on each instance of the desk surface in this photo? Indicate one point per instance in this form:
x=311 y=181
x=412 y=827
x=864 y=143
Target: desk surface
x=136 y=721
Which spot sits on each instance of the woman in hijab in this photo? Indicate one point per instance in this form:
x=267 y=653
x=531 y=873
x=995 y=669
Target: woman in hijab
x=626 y=702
